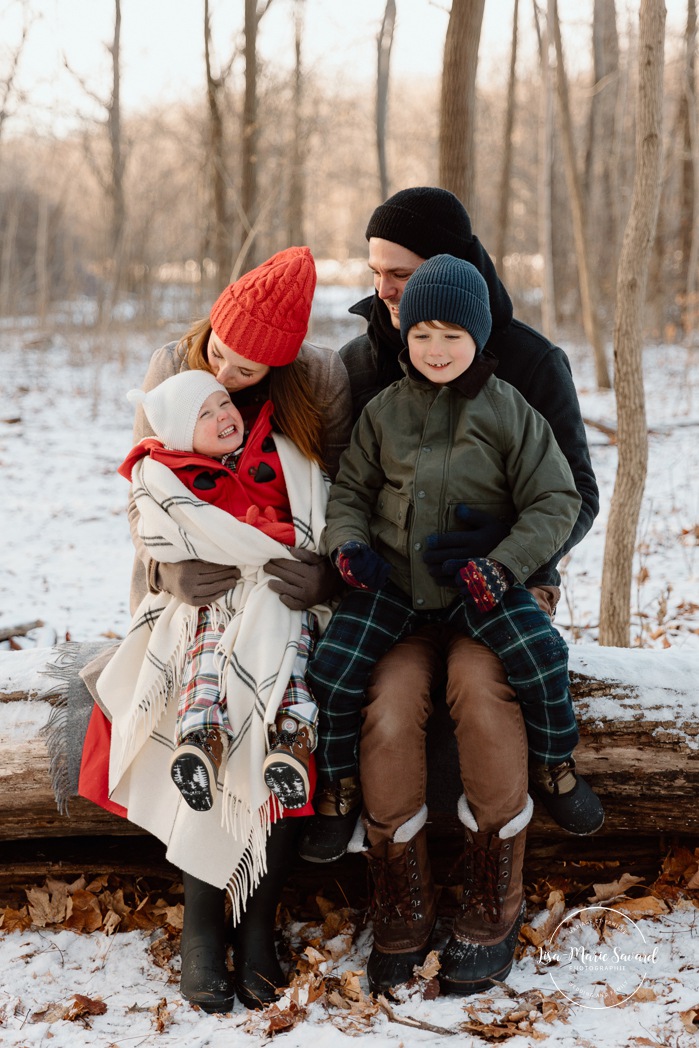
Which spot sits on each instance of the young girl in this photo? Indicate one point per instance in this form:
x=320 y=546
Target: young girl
x=201 y=439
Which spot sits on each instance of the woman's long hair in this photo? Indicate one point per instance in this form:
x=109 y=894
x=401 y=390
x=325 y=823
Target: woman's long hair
x=297 y=413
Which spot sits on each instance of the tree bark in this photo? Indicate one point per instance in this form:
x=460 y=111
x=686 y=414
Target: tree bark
x=115 y=188
x=457 y=168
x=384 y=45
x=506 y=170
x=602 y=213
x=639 y=745
x=615 y=607
x=588 y=291
x=297 y=194
x=545 y=178
x=220 y=241
x=689 y=181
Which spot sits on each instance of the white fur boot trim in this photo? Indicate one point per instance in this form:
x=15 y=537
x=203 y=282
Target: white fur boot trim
x=510 y=829
x=518 y=822
x=466 y=817
x=407 y=831
x=358 y=842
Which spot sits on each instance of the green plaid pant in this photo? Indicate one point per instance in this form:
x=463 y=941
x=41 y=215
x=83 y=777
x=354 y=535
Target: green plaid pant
x=367 y=624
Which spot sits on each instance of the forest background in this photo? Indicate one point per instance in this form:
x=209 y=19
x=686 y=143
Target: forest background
x=126 y=198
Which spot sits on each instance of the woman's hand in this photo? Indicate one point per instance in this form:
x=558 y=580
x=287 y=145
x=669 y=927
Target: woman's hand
x=194 y=581
x=309 y=579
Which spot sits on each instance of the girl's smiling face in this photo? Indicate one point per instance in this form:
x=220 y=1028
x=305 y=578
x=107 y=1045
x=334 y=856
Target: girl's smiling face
x=219 y=427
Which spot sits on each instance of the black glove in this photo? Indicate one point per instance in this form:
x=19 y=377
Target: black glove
x=309 y=579
x=450 y=550
x=361 y=567
x=195 y=582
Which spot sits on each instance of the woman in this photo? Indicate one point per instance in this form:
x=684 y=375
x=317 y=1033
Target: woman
x=253 y=343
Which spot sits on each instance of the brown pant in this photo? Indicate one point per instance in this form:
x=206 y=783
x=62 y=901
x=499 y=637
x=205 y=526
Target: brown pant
x=488 y=726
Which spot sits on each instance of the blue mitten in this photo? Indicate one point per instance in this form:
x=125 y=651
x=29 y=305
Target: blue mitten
x=451 y=550
x=361 y=567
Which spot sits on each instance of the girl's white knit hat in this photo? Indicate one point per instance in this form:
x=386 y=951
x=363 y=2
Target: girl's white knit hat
x=172 y=407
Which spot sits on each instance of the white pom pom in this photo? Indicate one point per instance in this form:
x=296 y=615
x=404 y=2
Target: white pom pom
x=136 y=396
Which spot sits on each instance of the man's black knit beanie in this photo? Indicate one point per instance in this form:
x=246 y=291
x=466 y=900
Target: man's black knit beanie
x=426 y=220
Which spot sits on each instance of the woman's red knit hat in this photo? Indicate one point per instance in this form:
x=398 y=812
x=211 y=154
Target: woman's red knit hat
x=264 y=315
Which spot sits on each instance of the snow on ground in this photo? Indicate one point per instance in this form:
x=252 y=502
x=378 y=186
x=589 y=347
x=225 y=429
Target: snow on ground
x=65 y=558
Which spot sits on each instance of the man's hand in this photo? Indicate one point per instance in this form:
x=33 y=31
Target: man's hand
x=450 y=550
x=194 y=581
x=547 y=597
x=309 y=579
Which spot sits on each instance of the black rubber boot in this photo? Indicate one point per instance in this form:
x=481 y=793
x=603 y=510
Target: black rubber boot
x=567 y=797
x=257 y=972
x=205 y=979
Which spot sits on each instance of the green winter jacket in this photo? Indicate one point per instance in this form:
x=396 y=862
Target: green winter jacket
x=419 y=449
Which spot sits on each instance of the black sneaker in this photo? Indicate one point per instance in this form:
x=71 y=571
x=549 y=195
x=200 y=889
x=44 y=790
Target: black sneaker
x=567 y=797
x=338 y=805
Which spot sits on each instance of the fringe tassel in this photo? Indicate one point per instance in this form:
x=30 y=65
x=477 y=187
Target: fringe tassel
x=153 y=705
x=253 y=863
x=71 y=657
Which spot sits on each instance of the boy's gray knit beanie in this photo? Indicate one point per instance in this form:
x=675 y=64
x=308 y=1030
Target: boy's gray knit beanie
x=450 y=290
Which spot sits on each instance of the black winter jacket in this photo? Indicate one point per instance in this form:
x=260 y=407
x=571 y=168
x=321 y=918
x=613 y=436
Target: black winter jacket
x=528 y=361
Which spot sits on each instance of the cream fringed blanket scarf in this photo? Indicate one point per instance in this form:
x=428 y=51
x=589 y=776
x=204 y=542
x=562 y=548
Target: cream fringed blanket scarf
x=140 y=686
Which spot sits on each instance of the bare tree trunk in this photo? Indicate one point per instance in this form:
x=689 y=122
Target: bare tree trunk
x=7 y=295
x=506 y=171
x=385 y=43
x=219 y=235
x=457 y=170
x=115 y=187
x=588 y=292
x=41 y=261
x=249 y=187
x=615 y=606
x=545 y=180
x=297 y=194
x=602 y=213
x=689 y=226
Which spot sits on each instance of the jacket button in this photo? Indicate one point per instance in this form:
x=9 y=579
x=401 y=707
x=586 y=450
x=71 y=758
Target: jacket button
x=421 y=494
x=525 y=567
x=418 y=545
x=419 y=601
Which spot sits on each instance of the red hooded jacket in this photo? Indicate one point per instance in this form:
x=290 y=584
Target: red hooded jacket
x=255 y=493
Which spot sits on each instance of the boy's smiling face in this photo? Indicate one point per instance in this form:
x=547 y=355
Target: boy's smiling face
x=440 y=352
x=219 y=428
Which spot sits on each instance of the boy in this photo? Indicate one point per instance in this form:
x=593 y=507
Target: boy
x=201 y=439
x=447 y=434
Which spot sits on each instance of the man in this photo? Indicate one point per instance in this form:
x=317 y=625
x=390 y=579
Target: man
x=411 y=226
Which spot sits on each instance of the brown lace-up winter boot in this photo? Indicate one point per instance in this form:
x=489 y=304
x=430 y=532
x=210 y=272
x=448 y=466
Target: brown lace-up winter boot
x=483 y=940
x=285 y=767
x=195 y=764
x=404 y=910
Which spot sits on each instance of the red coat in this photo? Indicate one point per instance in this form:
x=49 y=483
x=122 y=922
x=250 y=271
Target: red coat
x=256 y=493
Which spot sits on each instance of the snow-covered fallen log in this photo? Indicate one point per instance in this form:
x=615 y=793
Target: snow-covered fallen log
x=638 y=712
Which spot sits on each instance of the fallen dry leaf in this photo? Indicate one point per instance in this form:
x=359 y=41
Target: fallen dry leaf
x=162 y=1015
x=690 y=1019
x=605 y=892
x=540 y=929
